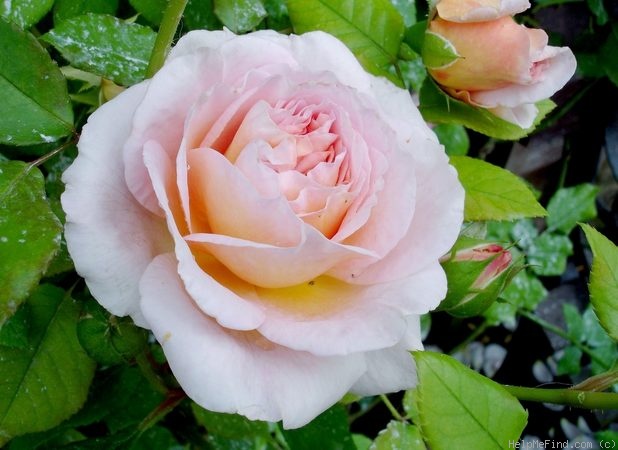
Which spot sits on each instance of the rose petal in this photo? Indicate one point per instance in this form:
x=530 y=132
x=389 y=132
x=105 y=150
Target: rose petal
x=112 y=239
x=239 y=372
x=229 y=309
x=392 y=369
x=479 y=10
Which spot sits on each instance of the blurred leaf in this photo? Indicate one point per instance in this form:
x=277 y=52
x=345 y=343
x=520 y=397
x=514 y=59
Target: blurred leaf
x=574 y=322
x=240 y=16
x=454 y=137
x=229 y=426
x=461 y=409
x=35 y=105
x=108 y=339
x=156 y=438
x=608 y=55
x=597 y=8
x=49 y=381
x=29 y=233
x=152 y=10
x=25 y=13
x=14 y=332
x=437 y=107
x=410 y=405
x=569 y=363
x=523 y=233
x=67 y=9
x=606 y=358
x=413 y=72
x=361 y=442
x=328 y=431
x=372 y=30
x=278 y=17
x=399 y=435
x=200 y=15
x=493 y=193
x=548 y=253
x=571 y=205
x=105 y=45
x=407 y=9
x=604 y=280
x=595 y=335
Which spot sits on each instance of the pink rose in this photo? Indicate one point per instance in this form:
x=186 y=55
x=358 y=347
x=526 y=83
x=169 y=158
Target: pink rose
x=501 y=65
x=274 y=214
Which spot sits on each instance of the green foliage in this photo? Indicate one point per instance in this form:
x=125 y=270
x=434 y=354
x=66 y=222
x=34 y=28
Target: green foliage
x=229 y=426
x=48 y=381
x=458 y=408
x=25 y=13
x=438 y=107
x=547 y=254
x=608 y=55
x=399 y=435
x=35 y=105
x=105 y=45
x=240 y=16
x=571 y=205
x=152 y=10
x=29 y=233
x=454 y=137
x=493 y=193
x=329 y=431
x=199 y=15
x=372 y=30
x=604 y=280
x=67 y=9
x=438 y=52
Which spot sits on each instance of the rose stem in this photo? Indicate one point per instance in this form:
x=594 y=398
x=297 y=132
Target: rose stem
x=571 y=397
x=391 y=408
x=165 y=36
x=560 y=332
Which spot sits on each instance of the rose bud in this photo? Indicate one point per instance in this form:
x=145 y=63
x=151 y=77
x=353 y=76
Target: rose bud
x=477 y=273
x=478 y=54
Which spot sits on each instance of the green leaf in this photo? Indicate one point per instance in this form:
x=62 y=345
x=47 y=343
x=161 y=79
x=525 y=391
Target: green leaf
x=571 y=205
x=228 y=426
x=240 y=16
x=608 y=55
x=49 y=381
x=67 y=9
x=407 y=9
x=278 y=17
x=199 y=15
x=598 y=9
x=493 y=193
x=156 y=438
x=548 y=253
x=438 y=52
x=152 y=10
x=454 y=138
x=604 y=280
x=14 y=332
x=108 y=339
x=574 y=322
x=372 y=30
x=399 y=435
x=105 y=45
x=29 y=233
x=35 y=105
x=437 y=107
x=361 y=442
x=569 y=363
x=328 y=431
x=461 y=409
x=25 y=13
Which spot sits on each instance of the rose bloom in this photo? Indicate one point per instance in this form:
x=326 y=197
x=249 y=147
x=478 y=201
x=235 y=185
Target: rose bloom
x=502 y=66
x=275 y=216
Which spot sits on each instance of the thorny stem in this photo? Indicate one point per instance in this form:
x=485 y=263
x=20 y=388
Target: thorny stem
x=165 y=36
x=570 y=397
x=173 y=399
x=563 y=334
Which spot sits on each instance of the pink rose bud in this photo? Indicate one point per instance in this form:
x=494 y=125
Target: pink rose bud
x=477 y=273
x=478 y=54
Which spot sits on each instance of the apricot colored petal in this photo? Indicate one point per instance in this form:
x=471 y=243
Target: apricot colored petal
x=234 y=312
x=557 y=70
x=479 y=10
x=239 y=372
x=329 y=317
x=161 y=116
x=112 y=239
x=392 y=369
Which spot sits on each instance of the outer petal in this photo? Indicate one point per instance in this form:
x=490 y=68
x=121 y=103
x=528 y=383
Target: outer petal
x=229 y=309
x=111 y=237
x=479 y=10
x=392 y=369
x=239 y=372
